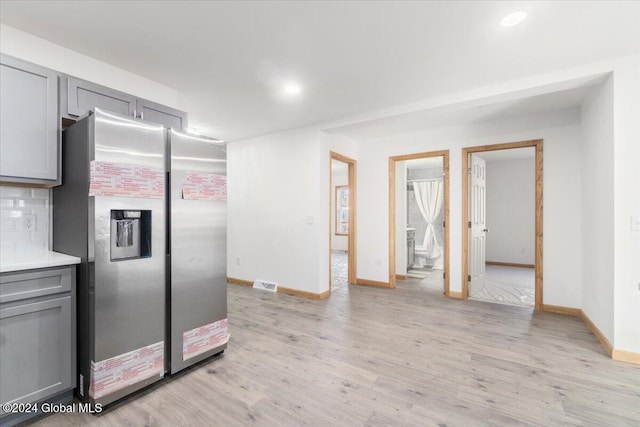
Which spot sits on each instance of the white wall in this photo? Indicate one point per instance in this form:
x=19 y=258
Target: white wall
x=561 y=134
x=401 y=217
x=626 y=189
x=597 y=208
x=42 y=52
x=274 y=192
x=339 y=176
x=511 y=202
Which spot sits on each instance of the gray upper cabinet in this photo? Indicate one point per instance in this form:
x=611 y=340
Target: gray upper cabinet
x=80 y=96
x=29 y=123
x=161 y=114
x=83 y=96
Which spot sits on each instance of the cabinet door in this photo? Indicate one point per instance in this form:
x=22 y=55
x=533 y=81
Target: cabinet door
x=35 y=349
x=29 y=128
x=161 y=114
x=83 y=96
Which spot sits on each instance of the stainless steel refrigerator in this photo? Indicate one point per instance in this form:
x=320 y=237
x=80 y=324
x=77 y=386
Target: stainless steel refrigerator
x=138 y=306
x=198 y=248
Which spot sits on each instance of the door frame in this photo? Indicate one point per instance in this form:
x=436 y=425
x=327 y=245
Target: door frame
x=537 y=144
x=392 y=211
x=351 y=238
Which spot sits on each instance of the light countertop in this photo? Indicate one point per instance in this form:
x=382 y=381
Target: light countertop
x=27 y=260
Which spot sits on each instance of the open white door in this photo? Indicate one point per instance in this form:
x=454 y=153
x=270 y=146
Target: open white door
x=477 y=220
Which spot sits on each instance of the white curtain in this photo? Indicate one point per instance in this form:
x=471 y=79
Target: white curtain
x=429 y=196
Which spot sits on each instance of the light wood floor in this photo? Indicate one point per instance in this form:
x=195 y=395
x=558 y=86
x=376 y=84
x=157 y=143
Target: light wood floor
x=409 y=356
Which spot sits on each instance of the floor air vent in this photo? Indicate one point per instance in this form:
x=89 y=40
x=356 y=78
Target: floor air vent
x=265 y=286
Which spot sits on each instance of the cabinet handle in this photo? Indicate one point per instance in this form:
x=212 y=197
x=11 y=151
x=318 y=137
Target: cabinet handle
x=142 y=115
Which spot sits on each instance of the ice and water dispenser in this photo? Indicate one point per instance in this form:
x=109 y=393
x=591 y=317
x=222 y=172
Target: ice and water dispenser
x=130 y=234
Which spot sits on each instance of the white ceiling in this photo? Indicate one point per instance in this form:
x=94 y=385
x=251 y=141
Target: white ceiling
x=441 y=118
x=229 y=60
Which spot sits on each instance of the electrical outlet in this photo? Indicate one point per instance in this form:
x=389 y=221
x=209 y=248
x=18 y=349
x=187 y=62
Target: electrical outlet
x=237 y=260
x=29 y=222
x=311 y=220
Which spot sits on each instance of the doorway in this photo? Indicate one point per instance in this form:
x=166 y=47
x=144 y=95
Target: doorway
x=418 y=220
x=495 y=272
x=342 y=221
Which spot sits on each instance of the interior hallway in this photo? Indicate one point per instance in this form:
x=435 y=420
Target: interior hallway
x=408 y=356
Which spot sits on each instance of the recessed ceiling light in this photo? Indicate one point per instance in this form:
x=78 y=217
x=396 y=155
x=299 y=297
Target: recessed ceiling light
x=292 y=89
x=514 y=18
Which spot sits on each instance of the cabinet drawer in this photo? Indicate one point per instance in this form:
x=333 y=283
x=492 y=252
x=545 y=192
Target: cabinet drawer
x=36 y=350
x=35 y=283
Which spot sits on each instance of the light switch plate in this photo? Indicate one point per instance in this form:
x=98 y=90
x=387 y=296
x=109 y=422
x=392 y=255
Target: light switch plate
x=635 y=223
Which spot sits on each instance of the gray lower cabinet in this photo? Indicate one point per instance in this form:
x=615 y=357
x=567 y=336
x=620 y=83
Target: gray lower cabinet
x=29 y=123
x=37 y=338
x=80 y=96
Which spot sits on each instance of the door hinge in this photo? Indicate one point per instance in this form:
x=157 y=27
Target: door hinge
x=468 y=278
x=444 y=224
x=444 y=275
x=469 y=224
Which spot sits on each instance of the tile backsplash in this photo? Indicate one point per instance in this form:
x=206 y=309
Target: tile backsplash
x=24 y=218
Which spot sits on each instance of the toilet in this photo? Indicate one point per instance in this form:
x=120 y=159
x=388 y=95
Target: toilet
x=420 y=260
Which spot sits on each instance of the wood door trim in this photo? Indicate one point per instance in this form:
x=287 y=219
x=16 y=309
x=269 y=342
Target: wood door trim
x=392 y=212
x=537 y=144
x=509 y=264
x=570 y=311
x=367 y=282
x=598 y=334
x=236 y=281
x=351 y=245
x=303 y=294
